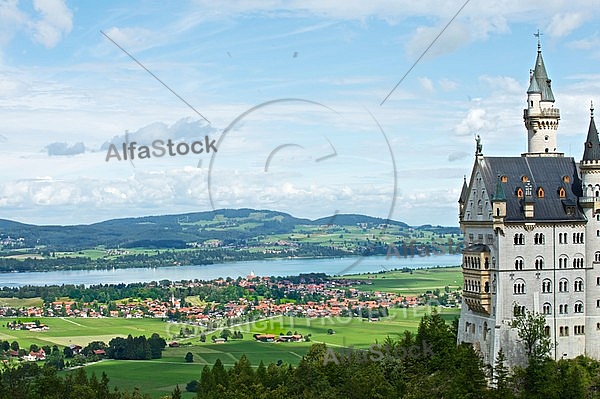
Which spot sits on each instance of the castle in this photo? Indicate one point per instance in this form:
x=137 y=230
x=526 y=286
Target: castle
x=531 y=227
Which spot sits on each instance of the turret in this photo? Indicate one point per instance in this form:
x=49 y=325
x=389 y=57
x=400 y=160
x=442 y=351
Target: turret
x=540 y=116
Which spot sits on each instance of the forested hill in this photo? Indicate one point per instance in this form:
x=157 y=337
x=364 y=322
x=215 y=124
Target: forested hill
x=174 y=231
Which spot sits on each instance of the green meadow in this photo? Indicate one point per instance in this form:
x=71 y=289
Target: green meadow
x=410 y=283
x=80 y=331
x=159 y=377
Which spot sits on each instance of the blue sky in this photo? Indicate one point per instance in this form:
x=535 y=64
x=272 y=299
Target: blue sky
x=67 y=93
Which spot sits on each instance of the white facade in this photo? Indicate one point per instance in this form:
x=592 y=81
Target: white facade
x=531 y=227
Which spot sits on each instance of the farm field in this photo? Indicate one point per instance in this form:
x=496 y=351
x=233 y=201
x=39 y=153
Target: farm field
x=81 y=331
x=415 y=283
x=174 y=371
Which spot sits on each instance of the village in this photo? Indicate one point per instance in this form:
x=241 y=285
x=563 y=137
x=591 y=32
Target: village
x=326 y=298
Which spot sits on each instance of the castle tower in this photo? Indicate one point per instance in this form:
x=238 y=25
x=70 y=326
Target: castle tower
x=540 y=116
x=590 y=203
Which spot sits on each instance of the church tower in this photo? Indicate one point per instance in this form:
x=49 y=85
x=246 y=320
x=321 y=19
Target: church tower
x=540 y=116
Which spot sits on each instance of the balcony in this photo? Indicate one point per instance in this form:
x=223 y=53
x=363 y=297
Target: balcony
x=478 y=302
x=548 y=112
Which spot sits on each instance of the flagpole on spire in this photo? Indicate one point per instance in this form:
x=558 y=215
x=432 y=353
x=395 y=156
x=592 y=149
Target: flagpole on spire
x=538 y=34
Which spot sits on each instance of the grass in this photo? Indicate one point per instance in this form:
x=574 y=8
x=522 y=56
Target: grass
x=415 y=283
x=21 y=302
x=159 y=377
x=81 y=331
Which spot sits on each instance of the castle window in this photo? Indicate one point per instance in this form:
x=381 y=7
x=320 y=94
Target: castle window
x=578 y=286
x=577 y=238
x=546 y=286
x=564 y=331
x=519 y=239
x=563 y=238
x=578 y=263
x=539 y=263
x=540 y=192
x=519 y=192
x=563 y=262
x=563 y=309
x=519 y=264
x=504 y=179
x=518 y=310
x=597 y=257
x=519 y=287
x=579 y=330
x=547 y=331
x=547 y=308
x=578 y=307
x=563 y=285
x=562 y=193
x=539 y=239
x=566 y=179
x=598 y=303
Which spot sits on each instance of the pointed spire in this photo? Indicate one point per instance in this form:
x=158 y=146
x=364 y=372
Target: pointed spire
x=464 y=193
x=592 y=144
x=541 y=78
x=499 y=194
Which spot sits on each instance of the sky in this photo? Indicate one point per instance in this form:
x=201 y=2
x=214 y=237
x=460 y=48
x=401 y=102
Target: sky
x=308 y=107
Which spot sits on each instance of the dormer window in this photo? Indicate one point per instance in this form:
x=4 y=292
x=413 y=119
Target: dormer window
x=562 y=193
x=524 y=179
x=519 y=192
x=566 y=179
x=504 y=179
x=540 y=192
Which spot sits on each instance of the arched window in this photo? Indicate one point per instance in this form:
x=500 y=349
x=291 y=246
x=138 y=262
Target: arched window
x=578 y=308
x=539 y=263
x=562 y=193
x=563 y=309
x=547 y=308
x=563 y=262
x=519 y=264
x=563 y=285
x=540 y=192
x=519 y=287
x=578 y=285
x=546 y=286
x=519 y=192
x=519 y=239
x=597 y=257
x=547 y=331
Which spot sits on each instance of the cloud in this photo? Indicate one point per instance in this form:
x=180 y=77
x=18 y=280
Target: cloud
x=56 y=20
x=447 y=84
x=60 y=149
x=589 y=43
x=132 y=39
x=455 y=36
x=457 y=156
x=183 y=129
x=473 y=122
x=427 y=84
x=563 y=24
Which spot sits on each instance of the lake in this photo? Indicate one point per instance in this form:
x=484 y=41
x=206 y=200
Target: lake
x=276 y=267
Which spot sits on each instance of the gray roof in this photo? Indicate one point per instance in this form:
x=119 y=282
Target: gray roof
x=539 y=82
x=592 y=145
x=545 y=172
x=464 y=193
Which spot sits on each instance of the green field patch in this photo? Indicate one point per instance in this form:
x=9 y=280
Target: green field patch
x=412 y=283
x=17 y=303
